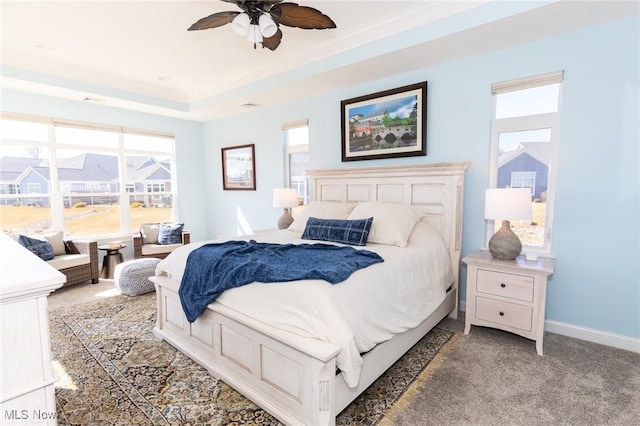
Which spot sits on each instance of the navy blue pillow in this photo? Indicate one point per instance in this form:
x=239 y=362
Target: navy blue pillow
x=170 y=233
x=352 y=232
x=42 y=249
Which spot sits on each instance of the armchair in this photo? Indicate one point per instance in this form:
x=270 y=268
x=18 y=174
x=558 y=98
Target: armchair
x=145 y=242
x=79 y=263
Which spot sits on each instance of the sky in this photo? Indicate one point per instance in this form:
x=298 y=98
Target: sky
x=399 y=107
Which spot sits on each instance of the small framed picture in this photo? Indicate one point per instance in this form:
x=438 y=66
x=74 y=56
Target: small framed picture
x=239 y=167
x=386 y=124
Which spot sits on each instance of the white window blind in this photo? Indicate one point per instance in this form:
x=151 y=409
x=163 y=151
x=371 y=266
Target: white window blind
x=527 y=82
x=295 y=124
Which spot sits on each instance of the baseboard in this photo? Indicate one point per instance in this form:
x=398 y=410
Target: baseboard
x=589 y=334
x=597 y=336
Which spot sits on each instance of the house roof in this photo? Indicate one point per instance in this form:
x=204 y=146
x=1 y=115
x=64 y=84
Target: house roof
x=87 y=167
x=541 y=151
x=12 y=167
x=141 y=167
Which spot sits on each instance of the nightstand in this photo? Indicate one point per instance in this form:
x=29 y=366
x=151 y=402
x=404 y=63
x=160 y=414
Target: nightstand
x=508 y=295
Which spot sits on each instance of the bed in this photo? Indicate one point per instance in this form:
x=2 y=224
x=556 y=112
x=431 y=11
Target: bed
x=307 y=374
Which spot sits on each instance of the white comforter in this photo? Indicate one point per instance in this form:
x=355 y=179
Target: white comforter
x=369 y=308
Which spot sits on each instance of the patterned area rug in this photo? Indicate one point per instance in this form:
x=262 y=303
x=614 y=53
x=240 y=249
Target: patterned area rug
x=113 y=371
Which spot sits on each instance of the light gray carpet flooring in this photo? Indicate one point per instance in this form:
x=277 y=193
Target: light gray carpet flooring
x=491 y=377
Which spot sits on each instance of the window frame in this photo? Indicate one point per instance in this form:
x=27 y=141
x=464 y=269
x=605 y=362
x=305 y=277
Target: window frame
x=550 y=120
x=59 y=191
x=290 y=150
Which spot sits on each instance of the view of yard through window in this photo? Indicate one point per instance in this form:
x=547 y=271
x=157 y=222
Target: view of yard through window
x=71 y=178
x=523 y=135
x=83 y=221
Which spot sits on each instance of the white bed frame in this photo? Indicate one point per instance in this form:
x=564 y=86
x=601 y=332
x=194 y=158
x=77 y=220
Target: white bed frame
x=292 y=377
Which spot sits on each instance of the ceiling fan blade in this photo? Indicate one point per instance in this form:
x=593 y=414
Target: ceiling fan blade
x=294 y=15
x=212 y=21
x=266 y=2
x=272 y=42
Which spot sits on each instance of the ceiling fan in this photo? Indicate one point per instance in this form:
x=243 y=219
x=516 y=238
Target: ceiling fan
x=260 y=21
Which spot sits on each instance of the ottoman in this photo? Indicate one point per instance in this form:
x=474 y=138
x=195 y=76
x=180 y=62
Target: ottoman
x=132 y=277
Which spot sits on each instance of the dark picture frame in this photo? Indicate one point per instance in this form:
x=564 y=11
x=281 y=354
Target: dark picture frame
x=239 y=167
x=387 y=124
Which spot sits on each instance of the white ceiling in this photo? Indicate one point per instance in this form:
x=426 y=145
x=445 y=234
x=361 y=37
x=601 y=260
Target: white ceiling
x=139 y=55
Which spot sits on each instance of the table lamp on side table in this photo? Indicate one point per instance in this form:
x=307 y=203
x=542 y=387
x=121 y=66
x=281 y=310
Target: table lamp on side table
x=285 y=198
x=507 y=204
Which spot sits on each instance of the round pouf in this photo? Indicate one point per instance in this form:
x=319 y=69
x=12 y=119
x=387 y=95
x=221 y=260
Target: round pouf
x=132 y=277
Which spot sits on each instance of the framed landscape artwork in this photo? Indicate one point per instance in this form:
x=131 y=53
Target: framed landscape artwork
x=387 y=124
x=239 y=167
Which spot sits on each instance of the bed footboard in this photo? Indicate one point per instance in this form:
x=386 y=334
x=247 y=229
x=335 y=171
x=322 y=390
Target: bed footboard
x=293 y=381
x=291 y=377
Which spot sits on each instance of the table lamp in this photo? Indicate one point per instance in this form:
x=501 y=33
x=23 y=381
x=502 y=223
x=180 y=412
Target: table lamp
x=507 y=204
x=285 y=198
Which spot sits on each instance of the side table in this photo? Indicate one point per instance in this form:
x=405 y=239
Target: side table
x=508 y=295
x=112 y=258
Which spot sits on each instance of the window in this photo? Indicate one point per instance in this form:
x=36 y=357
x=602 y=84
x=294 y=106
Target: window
x=296 y=136
x=90 y=180
x=8 y=189
x=33 y=188
x=523 y=180
x=524 y=138
x=155 y=187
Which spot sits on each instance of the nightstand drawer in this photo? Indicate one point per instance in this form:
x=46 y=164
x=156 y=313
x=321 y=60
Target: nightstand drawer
x=505 y=313
x=506 y=285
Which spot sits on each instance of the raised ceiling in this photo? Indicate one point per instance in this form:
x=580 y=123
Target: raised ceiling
x=139 y=55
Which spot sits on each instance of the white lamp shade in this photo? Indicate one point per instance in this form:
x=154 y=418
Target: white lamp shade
x=285 y=197
x=507 y=204
x=240 y=24
x=267 y=26
x=254 y=35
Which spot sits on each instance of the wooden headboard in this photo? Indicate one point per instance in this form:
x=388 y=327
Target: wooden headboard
x=436 y=189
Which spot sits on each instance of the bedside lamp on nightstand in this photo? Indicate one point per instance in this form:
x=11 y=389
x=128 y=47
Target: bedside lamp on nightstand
x=285 y=198
x=506 y=204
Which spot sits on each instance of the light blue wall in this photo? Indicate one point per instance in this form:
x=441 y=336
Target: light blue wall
x=597 y=279
x=188 y=135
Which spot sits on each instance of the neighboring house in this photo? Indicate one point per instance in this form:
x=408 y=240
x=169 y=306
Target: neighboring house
x=10 y=170
x=89 y=178
x=146 y=174
x=525 y=167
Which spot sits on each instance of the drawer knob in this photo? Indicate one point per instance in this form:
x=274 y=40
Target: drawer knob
x=503 y=285
x=501 y=313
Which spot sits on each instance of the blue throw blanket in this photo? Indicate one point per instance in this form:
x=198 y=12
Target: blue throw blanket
x=214 y=268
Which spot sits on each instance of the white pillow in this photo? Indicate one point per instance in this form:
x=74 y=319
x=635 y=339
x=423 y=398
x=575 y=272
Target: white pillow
x=149 y=232
x=321 y=210
x=56 y=239
x=392 y=222
x=423 y=234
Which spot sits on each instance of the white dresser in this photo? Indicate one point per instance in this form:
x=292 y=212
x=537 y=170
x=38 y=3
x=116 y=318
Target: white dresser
x=26 y=372
x=507 y=294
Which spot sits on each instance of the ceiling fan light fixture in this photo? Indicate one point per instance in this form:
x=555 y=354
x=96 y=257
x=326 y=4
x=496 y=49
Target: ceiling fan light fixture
x=240 y=24
x=267 y=26
x=254 y=35
x=260 y=20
